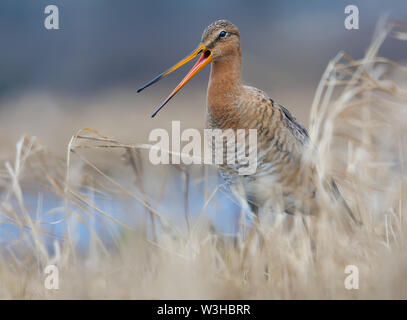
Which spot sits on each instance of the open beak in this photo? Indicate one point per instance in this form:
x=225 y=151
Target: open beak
x=204 y=60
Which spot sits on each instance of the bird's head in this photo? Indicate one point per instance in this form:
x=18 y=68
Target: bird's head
x=220 y=40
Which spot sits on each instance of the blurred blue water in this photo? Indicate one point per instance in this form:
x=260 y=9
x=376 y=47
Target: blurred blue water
x=51 y=211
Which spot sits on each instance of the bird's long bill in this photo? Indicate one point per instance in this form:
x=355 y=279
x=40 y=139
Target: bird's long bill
x=204 y=60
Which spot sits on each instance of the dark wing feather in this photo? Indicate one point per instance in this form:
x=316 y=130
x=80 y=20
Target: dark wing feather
x=297 y=128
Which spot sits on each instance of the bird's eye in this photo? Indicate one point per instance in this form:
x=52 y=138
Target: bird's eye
x=223 y=34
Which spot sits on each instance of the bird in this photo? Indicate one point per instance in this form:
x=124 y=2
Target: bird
x=284 y=179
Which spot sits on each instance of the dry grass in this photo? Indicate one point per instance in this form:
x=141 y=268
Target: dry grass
x=359 y=126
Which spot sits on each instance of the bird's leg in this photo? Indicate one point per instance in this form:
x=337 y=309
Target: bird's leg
x=247 y=208
x=247 y=235
x=244 y=207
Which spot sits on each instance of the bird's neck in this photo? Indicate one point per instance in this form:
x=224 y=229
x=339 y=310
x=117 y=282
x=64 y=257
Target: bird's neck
x=224 y=88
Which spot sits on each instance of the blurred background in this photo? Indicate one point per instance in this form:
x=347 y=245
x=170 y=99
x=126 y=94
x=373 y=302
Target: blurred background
x=54 y=82
x=86 y=74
